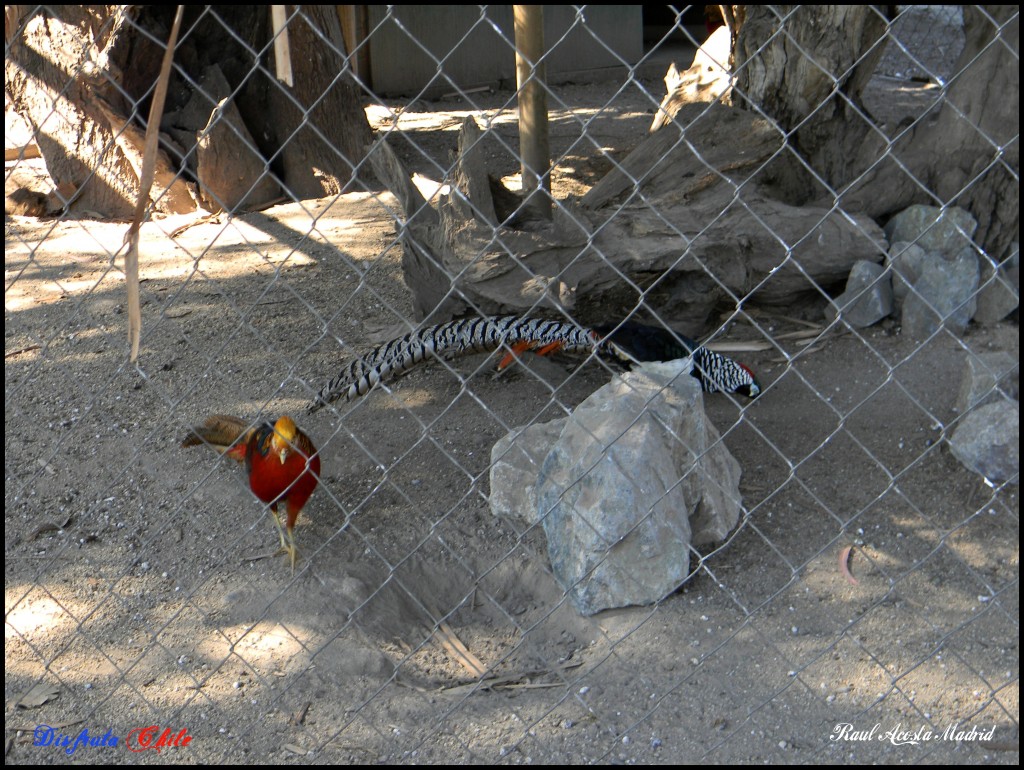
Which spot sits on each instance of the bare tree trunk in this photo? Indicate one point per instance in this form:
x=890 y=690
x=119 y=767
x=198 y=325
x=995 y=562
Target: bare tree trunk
x=321 y=157
x=806 y=67
x=82 y=76
x=966 y=153
x=56 y=78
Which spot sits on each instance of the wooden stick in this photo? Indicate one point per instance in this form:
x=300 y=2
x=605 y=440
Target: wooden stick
x=454 y=646
x=131 y=260
x=282 y=48
x=30 y=150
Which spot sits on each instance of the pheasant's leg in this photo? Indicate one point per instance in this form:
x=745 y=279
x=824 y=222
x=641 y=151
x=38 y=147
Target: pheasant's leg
x=551 y=347
x=290 y=548
x=514 y=352
x=280 y=529
x=288 y=535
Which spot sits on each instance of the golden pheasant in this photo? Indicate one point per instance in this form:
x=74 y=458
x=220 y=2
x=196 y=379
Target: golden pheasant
x=282 y=463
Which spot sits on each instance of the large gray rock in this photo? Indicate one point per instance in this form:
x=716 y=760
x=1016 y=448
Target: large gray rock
x=1000 y=289
x=516 y=460
x=944 y=294
x=636 y=477
x=867 y=299
x=989 y=377
x=935 y=268
x=907 y=262
x=937 y=231
x=987 y=441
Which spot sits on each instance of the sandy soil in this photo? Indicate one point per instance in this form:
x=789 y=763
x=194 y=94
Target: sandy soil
x=139 y=582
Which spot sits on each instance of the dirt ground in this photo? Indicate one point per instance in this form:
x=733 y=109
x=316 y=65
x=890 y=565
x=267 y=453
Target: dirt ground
x=140 y=584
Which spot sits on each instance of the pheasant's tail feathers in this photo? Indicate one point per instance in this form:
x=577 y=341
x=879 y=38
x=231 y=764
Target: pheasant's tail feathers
x=627 y=343
x=513 y=354
x=461 y=337
x=222 y=432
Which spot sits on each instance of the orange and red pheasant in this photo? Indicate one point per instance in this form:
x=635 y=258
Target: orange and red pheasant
x=282 y=463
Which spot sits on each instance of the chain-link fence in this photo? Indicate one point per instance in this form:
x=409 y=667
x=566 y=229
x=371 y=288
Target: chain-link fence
x=863 y=608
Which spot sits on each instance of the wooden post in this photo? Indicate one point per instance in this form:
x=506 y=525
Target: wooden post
x=531 y=80
x=355 y=31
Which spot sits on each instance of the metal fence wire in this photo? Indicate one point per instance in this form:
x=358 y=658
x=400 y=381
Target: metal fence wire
x=863 y=608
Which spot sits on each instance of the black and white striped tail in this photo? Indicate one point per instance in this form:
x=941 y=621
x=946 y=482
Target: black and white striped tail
x=626 y=343
x=462 y=337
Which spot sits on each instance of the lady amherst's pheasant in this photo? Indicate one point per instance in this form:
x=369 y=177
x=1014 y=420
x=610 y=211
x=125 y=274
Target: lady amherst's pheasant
x=626 y=343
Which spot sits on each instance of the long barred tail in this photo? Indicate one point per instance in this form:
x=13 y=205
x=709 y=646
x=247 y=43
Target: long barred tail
x=461 y=337
x=626 y=343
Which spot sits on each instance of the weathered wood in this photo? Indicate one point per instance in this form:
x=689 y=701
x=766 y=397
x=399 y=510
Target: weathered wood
x=232 y=175
x=393 y=173
x=669 y=231
x=483 y=194
x=44 y=61
x=727 y=206
x=471 y=173
x=355 y=30
x=319 y=123
x=804 y=67
x=965 y=154
x=707 y=79
x=98 y=63
x=282 y=46
x=30 y=150
x=717 y=141
x=807 y=77
x=169 y=191
x=424 y=272
x=809 y=81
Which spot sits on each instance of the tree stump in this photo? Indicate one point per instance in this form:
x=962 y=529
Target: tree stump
x=680 y=228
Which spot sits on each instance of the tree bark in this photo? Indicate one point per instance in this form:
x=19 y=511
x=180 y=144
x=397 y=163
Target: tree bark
x=82 y=76
x=806 y=67
x=55 y=77
x=966 y=152
x=319 y=157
